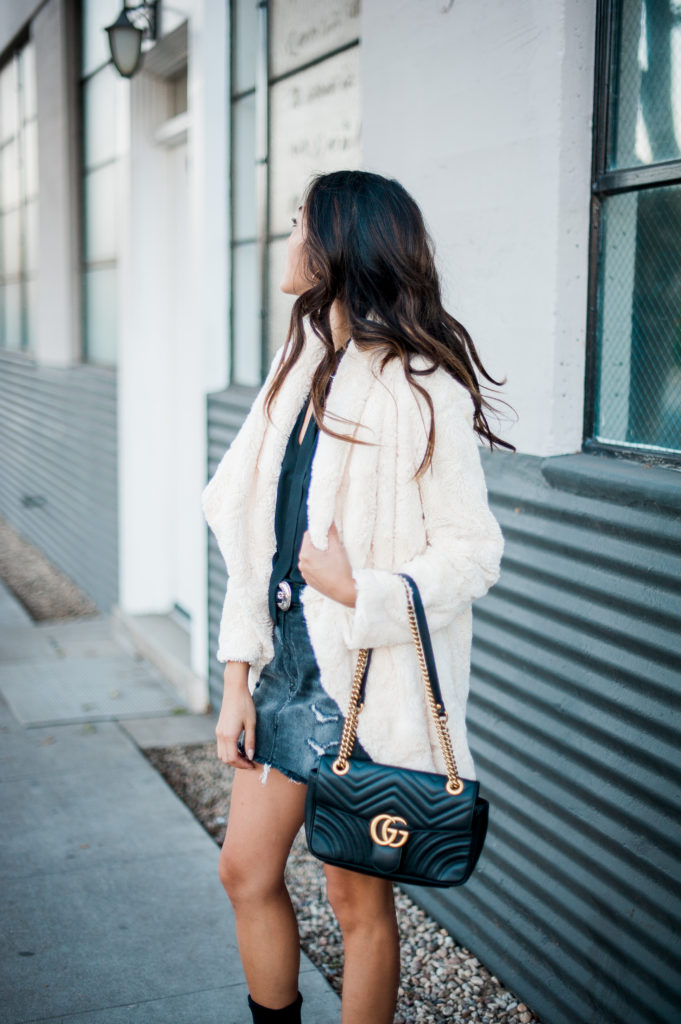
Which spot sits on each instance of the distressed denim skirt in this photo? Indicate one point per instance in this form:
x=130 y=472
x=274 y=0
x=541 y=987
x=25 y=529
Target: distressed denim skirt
x=296 y=720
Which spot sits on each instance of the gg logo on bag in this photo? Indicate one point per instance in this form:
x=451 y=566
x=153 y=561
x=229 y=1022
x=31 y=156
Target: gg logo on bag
x=382 y=831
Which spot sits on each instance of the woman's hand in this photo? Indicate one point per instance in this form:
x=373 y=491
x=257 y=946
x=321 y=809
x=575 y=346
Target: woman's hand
x=328 y=571
x=237 y=714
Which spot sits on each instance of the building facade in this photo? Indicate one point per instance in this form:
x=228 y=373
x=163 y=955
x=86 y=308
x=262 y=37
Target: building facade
x=143 y=230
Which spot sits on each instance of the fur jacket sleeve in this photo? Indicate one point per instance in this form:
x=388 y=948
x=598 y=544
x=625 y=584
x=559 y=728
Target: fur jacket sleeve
x=438 y=529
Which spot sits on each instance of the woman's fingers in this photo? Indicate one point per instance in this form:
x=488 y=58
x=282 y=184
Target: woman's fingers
x=249 y=738
x=226 y=745
x=229 y=752
x=228 y=730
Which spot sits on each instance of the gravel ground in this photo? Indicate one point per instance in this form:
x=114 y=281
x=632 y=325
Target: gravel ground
x=45 y=592
x=443 y=983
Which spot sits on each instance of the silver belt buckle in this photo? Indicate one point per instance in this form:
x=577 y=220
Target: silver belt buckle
x=284 y=596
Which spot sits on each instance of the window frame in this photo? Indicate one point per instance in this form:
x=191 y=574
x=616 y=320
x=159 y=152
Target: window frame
x=264 y=81
x=25 y=276
x=606 y=183
x=260 y=92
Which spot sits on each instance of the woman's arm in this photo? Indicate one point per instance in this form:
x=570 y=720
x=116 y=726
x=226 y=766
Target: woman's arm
x=237 y=715
x=222 y=500
x=238 y=640
x=464 y=542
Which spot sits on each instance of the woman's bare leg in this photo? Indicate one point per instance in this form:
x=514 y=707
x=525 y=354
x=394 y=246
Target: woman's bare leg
x=263 y=822
x=365 y=909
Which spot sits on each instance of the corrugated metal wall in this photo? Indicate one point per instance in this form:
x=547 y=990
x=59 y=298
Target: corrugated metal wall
x=226 y=412
x=573 y=722
x=58 y=467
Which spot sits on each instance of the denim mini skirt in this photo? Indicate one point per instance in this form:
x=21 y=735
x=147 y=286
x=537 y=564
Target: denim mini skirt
x=296 y=720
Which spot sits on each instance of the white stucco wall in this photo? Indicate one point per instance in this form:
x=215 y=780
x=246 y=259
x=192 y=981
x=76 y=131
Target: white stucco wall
x=482 y=109
x=166 y=367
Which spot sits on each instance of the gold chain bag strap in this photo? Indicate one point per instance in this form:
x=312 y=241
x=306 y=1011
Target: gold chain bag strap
x=415 y=827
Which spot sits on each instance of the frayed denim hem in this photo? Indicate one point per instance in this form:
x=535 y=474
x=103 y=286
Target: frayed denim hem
x=267 y=765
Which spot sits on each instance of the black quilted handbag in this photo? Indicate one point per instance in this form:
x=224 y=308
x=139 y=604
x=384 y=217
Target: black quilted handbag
x=415 y=827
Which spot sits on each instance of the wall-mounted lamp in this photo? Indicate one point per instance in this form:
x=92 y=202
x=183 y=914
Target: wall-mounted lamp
x=125 y=36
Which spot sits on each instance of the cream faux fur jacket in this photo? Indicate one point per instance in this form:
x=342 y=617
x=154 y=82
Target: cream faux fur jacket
x=439 y=530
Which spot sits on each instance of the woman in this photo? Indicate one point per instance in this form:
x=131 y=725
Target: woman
x=358 y=459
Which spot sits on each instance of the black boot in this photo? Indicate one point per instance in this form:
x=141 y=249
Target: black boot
x=286 y=1015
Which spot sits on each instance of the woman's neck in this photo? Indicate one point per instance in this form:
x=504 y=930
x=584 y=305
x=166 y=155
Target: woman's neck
x=340 y=326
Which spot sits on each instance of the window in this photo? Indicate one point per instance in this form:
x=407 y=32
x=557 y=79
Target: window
x=634 y=375
x=104 y=111
x=295 y=111
x=18 y=200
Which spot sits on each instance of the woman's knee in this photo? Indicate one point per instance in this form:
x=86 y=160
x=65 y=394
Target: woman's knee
x=248 y=879
x=230 y=871
x=359 y=901
x=263 y=822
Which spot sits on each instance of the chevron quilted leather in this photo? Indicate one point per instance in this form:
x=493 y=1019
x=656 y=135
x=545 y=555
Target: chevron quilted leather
x=444 y=833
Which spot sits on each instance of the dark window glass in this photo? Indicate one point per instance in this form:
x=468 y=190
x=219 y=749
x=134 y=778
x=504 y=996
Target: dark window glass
x=639 y=338
x=645 y=119
x=635 y=321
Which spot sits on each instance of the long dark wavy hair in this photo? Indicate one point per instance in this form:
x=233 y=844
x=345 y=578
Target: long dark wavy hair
x=366 y=244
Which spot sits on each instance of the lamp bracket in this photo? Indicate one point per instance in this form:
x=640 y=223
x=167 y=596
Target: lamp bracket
x=147 y=10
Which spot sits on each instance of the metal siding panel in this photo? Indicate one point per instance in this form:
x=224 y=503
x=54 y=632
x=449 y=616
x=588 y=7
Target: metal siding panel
x=58 y=435
x=226 y=412
x=573 y=722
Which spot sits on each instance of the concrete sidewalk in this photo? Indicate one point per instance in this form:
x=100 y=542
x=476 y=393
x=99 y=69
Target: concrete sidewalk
x=111 y=908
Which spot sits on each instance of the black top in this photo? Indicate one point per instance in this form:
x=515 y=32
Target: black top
x=290 y=517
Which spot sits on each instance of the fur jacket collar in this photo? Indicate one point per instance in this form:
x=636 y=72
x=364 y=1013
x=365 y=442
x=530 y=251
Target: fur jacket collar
x=439 y=530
